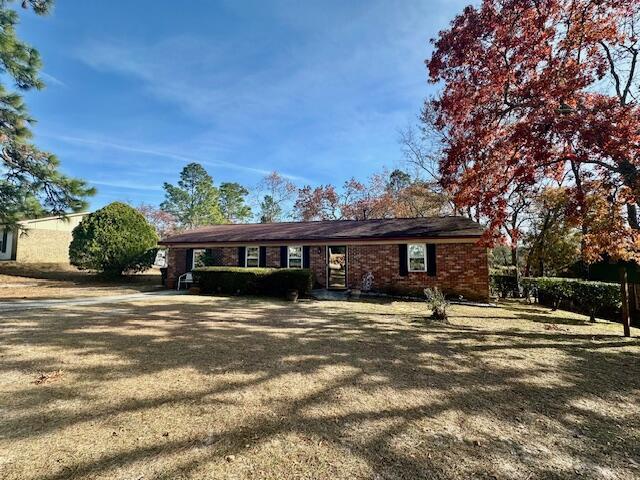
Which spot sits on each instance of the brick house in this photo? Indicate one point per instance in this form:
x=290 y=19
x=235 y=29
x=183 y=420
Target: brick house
x=403 y=255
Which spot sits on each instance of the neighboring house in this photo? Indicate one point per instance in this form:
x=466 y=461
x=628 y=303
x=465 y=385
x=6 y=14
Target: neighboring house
x=404 y=255
x=41 y=240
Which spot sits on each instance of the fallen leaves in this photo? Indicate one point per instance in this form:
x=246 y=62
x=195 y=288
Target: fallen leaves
x=43 y=377
x=554 y=327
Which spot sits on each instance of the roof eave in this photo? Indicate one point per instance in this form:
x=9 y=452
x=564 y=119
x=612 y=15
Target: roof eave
x=321 y=241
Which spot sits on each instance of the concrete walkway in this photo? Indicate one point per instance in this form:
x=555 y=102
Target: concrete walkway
x=19 y=305
x=324 y=294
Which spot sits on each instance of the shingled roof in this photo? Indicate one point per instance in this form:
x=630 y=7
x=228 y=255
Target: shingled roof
x=331 y=230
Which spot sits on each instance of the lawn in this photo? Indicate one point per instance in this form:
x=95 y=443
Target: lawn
x=20 y=281
x=213 y=387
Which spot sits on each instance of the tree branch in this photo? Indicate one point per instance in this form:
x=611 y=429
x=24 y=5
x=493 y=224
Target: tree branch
x=612 y=68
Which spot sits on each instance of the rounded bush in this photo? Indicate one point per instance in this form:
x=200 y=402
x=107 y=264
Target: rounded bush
x=114 y=240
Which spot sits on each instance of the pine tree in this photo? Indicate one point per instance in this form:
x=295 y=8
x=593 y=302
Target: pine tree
x=270 y=211
x=194 y=201
x=232 y=202
x=26 y=173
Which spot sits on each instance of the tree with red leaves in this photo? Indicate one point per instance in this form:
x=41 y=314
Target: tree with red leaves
x=165 y=223
x=534 y=90
x=384 y=195
x=320 y=203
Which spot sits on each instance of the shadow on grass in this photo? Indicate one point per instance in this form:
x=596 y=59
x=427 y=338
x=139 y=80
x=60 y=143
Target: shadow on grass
x=473 y=371
x=540 y=314
x=65 y=272
x=61 y=276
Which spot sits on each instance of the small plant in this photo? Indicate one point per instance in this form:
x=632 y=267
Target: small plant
x=367 y=282
x=437 y=303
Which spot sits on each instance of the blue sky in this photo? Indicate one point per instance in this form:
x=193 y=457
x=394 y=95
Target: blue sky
x=315 y=90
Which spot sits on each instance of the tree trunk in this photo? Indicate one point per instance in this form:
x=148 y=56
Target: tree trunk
x=632 y=218
x=527 y=267
x=632 y=214
x=624 y=294
x=514 y=263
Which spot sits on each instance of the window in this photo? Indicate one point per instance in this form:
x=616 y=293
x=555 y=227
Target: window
x=161 y=258
x=4 y=241
x=294 y=259
x=198 y=258
x=253 y=257
x=417 y=257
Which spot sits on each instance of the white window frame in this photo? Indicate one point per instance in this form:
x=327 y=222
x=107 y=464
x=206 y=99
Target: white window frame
x=424 y=246
x=289 y=247
x=198 y=251
x=246 y=256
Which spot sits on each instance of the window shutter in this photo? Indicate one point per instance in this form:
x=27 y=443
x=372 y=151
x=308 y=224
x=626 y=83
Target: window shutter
x=241 y=256
x=189 y=259
x=306 y=256
x=431 y=259
x=283 y=257
x=263 y=257
x=404 y=268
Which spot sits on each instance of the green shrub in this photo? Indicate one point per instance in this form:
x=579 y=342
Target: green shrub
x=579 y=295
x=113 y=240
x=597 y=297
x=505 y=285
x=552 y=291
x=253 y=281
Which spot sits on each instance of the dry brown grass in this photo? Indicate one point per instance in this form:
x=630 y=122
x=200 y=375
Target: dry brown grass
x=201 y=387
x=53 y=280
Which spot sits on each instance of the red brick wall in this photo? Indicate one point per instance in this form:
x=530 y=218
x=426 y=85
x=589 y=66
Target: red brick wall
x=177 y=261
x=176 y=265
x=230 y=257
x=461 y=268
x=318 y=264
x=273 y=257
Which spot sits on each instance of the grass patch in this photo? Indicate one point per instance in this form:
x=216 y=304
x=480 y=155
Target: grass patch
x=215 y=387
x=53 y=280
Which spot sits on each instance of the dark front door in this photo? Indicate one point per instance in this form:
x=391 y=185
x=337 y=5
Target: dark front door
x=337 y=267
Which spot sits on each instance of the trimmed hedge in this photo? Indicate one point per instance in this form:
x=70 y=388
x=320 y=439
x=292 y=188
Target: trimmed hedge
x=253 y=281
x=505 y=286
x=591 y=298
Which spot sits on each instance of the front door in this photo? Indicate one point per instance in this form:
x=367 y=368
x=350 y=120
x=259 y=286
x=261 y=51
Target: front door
x=337 y=267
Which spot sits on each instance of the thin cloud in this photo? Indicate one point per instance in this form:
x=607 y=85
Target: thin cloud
x=125 y=185
x=324 y=96
x=314 y=81
x=51 y=80
x=315 y=103
x=161 y=153
x=119 y=146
